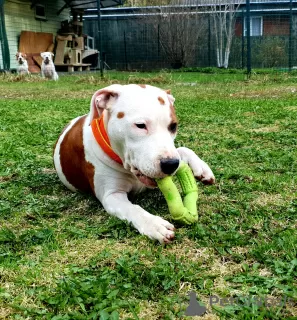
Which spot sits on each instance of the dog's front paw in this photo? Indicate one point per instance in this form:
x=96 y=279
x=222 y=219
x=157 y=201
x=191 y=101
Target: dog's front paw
x=200 y=169
x=205 y=175
x=202 y=172
x=159 y=229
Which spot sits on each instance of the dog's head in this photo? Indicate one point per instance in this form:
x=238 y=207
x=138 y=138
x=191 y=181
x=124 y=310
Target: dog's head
x=141 y=124
x=47 y=57
x=21 y=58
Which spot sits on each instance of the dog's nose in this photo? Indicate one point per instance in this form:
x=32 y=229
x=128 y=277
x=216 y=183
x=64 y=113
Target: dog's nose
x=168 y=166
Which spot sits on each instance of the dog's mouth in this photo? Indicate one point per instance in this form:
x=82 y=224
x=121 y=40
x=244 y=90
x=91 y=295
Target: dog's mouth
x=46 y=61
x=147 y=181
x=21 y=61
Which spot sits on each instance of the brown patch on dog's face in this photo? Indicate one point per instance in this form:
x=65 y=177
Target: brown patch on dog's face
x=168 y=91
x=142 y=86
x=76 y=169
x=20 y=57
x=173 y=125
x=161 y=100
x=120 y=115
x=173 y=114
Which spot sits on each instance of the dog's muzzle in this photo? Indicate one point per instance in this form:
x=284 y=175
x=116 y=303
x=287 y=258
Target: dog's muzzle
x=168 y=166
x=46 y=61
x=21 y=61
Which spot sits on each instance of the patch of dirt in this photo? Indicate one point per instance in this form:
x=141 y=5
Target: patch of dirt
x=264 y=199
x=291 y=108
x=266 y=129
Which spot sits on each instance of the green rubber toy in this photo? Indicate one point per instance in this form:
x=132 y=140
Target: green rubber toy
x=183 y=211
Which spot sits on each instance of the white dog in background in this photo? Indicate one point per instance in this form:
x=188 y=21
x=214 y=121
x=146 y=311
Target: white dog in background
x=47 y=67
x=22 y=63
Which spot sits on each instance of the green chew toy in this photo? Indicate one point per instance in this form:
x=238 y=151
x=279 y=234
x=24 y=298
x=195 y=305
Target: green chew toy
x=183 y=211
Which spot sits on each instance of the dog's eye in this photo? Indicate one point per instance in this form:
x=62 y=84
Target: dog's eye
x=172 y=127
x=140 y=125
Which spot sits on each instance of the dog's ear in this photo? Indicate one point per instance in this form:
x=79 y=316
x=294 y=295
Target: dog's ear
x=17 y=55
x=103 y=99
x=52 y=54
x=42 y=55
x=170 y=96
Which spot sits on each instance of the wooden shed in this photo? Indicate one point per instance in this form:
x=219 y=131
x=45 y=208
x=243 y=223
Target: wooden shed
x=36 y=17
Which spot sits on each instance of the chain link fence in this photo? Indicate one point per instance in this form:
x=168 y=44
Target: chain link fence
x=197 y=34
x=162 y=34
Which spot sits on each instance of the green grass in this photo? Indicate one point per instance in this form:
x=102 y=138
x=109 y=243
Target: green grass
x=63 y=257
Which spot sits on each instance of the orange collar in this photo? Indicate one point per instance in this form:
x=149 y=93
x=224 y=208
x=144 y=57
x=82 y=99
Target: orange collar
x=101 y=137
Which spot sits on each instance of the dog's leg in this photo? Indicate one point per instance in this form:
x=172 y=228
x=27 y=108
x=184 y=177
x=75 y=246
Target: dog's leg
x=200 y=169
x=42 y=71
x=117 y=204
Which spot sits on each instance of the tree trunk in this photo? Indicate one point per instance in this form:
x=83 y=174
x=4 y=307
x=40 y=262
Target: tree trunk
x=217 y=40
x=223 y=17
x=229 y=34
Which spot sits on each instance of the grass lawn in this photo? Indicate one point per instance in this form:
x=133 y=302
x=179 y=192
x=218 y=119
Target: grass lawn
x=63 y=257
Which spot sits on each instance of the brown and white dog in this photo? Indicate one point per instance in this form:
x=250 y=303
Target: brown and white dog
x=123 y=144
x=22 y=68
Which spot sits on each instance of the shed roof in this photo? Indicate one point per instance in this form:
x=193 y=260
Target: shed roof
x=91 y=4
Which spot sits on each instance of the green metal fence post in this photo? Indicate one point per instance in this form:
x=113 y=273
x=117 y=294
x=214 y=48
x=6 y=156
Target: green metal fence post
x=125 y=50
x=290 y=36
x=100 y=36
x=209 y=42
x=242 y=39
x=248 y=38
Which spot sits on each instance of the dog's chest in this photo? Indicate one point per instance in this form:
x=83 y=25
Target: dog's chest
x=48 y=70
x=23 y=68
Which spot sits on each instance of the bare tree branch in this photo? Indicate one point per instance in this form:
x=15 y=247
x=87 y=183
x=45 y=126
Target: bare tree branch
x=179 y=29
